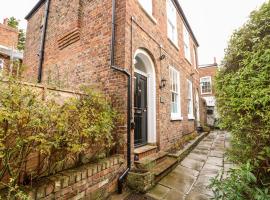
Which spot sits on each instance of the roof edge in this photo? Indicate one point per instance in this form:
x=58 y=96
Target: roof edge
x=36 y=7
x=186 y=21
x=40 y=3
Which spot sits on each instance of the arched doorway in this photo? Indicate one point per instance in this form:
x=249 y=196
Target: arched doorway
x=144 y=99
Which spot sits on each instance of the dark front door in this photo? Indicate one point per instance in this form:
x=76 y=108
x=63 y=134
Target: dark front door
x=140 y=104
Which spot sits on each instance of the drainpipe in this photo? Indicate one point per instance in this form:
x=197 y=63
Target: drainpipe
x=129 y=102
x=43 y=38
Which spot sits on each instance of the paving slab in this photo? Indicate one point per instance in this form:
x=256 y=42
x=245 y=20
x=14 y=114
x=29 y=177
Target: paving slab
x=192 y=164
x=191 y=178
x=158 y=192
x=174 y=195
x=178 y=181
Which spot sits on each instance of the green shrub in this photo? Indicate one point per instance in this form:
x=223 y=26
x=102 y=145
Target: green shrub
x=241 y=184
x=59 y=136
x=243 y=98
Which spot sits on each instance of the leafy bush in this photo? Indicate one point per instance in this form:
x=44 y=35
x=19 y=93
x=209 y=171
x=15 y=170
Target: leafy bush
x=241 y=184
x=243 y=98
x=39 y=138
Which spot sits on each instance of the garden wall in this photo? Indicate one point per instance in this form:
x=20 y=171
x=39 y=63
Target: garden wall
x=91 y=181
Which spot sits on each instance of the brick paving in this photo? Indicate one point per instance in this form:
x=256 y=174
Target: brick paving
x=189 y=180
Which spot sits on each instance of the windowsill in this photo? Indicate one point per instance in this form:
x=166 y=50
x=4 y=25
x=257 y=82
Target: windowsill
x=173 y=43
x=191 y=117
x=149 y=15
x=209 y=93
x=176 y=118
x=189 y=62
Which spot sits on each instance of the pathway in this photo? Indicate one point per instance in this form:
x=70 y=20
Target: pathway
x=189 y=180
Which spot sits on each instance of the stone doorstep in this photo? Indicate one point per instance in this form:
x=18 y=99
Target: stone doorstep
x=151 y=160
x=144 y=151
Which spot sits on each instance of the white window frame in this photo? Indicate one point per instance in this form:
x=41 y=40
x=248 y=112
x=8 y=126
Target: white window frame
x=175 y=77
x=172 y=23
x=147 y=5
x=190 y=100
x=186 y=43
x=2 y=63
x=201 y=83
x=195 y=57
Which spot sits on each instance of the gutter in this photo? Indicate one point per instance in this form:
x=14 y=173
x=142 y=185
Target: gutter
x=36 y=7
x=43 y=39
x=129 y=101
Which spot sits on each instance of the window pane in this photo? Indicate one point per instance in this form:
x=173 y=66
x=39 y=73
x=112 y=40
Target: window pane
x=147 y=5
x=175 y=96
x=206 y=85
x=171 y=21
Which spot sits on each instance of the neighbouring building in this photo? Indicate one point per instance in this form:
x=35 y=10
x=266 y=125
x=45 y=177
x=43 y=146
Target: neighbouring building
x=8 y=47
x=152 y=41
x=207 y=77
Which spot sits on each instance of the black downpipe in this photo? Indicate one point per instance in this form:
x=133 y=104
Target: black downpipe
x=43 y=39
x=129 y=101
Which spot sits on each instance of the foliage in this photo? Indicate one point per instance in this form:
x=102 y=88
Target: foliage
x=39 y=138
x=22 y=38
x=243 y=98
x=14 y=23
x=241 y=184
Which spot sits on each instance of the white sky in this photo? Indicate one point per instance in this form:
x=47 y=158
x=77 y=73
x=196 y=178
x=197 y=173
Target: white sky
x=213 y=21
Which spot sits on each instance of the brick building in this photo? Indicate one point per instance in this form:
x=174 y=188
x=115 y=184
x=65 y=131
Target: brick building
x=154 y=43
x=207 y=76
x=8 y=46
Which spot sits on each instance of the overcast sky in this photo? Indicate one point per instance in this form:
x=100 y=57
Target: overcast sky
x=213 y=21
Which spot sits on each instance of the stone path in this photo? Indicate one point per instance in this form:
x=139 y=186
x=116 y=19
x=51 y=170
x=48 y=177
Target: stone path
x=189 y=180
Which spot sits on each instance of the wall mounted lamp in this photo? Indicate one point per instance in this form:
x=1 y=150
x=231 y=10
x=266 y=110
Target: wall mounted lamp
x=163 y=83
x=162 y=57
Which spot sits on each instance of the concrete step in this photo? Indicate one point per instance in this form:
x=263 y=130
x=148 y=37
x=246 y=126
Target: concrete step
x=144 y=151
x=151 y=160
x=163 y=166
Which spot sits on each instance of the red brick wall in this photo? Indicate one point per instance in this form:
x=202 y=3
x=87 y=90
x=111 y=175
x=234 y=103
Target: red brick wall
x=86 y=61
x=209 y=71
x=8 y=36
x=212 y=72
x=91 y=181
x=149 y=35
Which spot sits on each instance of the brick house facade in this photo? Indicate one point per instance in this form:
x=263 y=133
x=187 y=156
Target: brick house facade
x=207 y=77
x=8 y=46
x=78 y=47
